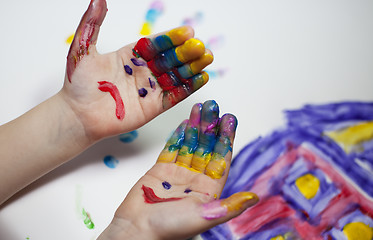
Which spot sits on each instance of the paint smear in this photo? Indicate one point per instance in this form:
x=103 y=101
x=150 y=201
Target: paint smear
x=151 y=197
x=155 y=10
x=87 y=220
x=217 y=73
x=128 y=137
x=105 y=86
x=139 y=62
x=143 y=92
x=166 y=185
x=128 y=69
x=81 y=212
x=110 y=161
x=194 y=20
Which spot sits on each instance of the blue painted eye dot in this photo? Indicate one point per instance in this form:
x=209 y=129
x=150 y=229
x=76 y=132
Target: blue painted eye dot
x=166 y=185
x=187 y=190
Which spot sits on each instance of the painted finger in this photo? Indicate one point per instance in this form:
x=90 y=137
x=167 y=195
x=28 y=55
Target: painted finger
x=86 y=34
x=219 y=160
x=190 y=69
x=207 y=135
x=174 y=57
x=222 y=210
x=173 y=145
x=148 y=48
x=175 y=88
x=185 y=155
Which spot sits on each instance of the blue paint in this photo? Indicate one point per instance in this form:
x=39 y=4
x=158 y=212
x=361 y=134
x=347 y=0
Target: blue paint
x=138 y=62
x=187 y=190
x=128 y=137
x=110 y=161
x=143 y=92
x=151 y=83
x=166 y=185
x=128 y=69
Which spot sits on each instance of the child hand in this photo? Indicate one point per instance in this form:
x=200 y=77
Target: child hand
x=121 y=91
x=177 y=197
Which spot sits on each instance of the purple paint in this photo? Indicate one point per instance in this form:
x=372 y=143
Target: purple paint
x=166 y=185
x=138 y=62
x=187 y=190
x=128 y=69
x=143 y=92
x=151 y=83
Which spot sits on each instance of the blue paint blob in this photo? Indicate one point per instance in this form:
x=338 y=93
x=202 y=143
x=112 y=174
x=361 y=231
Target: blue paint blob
x=110 y=161
x=166 y=185
x=143 y=92
x=187 y=190
x=128 y=137
x=128 y=69
x=138 y=62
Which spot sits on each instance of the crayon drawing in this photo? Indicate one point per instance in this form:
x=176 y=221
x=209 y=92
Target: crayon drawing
x=313 y=177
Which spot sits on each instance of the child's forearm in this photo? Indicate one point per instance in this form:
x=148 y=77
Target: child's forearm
x=37 y=142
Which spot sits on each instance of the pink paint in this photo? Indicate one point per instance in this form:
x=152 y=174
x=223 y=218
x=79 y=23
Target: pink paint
x=86 y=34
x=114 y=92
x=213 y=210
x=151 y=197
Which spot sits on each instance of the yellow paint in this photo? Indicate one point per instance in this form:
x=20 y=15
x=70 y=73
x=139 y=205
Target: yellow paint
x=167 y=156
x=199 y=64
x=215 y=168
x=308 y=185
x=200 y=80
x=279 y=237
x=146 y=29
x=237 y=200
x=184 y=158
x=353 y=135
x=200 y=161
x=191 y=49
x=70 y=39
x=179 y=35
x=358 y=231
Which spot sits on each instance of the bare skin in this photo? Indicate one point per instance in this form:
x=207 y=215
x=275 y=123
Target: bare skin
x=81 y=114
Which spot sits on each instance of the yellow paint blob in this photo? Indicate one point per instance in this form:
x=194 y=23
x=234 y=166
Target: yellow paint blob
x=215 y=168
x=191 y=49
x=70 y=39
x=353 y=135
x=358 y=231
x=308 y=185
x=199 y=64
x=146 y=29
x=179 y=35
x=279 y=237
x=184 y=158
x=237 y=200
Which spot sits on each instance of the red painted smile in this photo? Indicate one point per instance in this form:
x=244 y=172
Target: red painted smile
x=150 y=197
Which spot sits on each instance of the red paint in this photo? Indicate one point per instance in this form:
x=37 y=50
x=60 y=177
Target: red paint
x=145 y=48
x=165 y=82
x=150 y=197
x=114 y=92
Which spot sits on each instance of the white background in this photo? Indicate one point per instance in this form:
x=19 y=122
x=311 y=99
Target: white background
x=276 y=55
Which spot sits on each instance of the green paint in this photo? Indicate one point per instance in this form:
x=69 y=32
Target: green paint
x=87 y=220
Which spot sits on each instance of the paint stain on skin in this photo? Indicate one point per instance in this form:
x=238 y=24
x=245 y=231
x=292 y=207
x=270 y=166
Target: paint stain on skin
x=188 y=190
x=152 y=84
x=128 y=69
x=151 y=197
x=155 y=10
x=110 y=161
x=139 y=62
x=166 y=185
x=128 y=137
x=105 y=86
x=143 y=92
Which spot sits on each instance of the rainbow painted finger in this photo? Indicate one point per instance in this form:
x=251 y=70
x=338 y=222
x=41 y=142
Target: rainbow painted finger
x=176 y=60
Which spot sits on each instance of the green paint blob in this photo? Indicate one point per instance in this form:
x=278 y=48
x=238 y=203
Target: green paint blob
x=87 y=220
